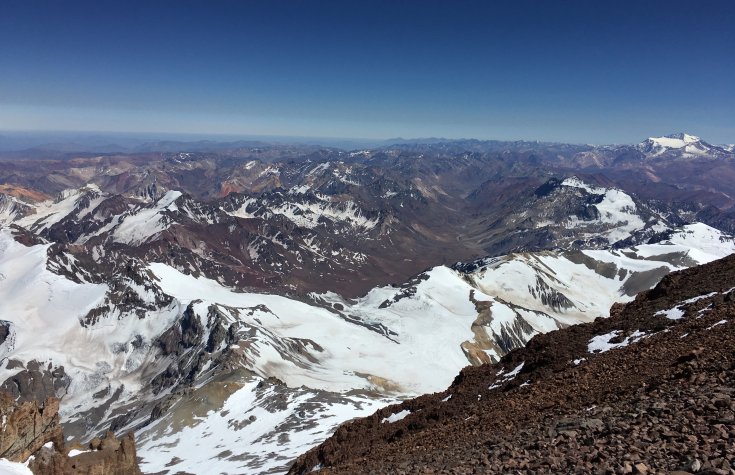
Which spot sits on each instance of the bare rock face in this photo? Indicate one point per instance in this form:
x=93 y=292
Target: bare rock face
x=36 y=382
x=27 y=427
x=30 y=430
x=109 y=456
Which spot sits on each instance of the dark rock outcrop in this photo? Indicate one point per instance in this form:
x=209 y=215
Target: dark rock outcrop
x=36 y=382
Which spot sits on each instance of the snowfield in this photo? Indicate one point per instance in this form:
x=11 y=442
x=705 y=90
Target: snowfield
x=141 y=225
x=256 y=435
x=13 y=468
x=39 y=302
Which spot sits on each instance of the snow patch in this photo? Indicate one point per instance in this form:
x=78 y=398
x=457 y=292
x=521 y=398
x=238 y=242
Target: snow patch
x=13 y=468
x=396 y=417
x=676 y=313
x=721 y=322
x=602 y=344
x=75 y=452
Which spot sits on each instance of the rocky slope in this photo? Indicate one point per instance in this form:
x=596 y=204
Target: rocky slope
x=648 y=390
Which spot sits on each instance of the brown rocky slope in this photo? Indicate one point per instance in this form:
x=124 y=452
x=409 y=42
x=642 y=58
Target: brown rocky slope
x=648 y=390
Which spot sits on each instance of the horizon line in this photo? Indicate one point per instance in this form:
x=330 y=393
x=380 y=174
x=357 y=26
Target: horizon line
x=211 y=136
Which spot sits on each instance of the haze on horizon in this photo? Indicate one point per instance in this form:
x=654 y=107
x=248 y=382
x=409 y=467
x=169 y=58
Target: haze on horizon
x=583 y=72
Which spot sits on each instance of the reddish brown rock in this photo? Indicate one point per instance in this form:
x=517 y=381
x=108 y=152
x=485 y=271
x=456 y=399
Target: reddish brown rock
x=27 y=429
x=115 y=457
x=27 y=426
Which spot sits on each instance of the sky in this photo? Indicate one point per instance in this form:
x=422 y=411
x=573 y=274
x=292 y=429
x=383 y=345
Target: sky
x=569 y=71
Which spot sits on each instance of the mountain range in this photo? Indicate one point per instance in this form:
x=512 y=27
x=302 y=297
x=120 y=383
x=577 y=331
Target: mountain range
x=233 y=306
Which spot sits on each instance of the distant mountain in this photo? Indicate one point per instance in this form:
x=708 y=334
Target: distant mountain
x=45 y=143
x=681 y=145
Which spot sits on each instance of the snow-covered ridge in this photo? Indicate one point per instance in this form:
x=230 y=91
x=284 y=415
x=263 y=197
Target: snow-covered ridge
x=146 y=222
x=78 y=202
x=617 y=217
x=132 y=227
x=53 y=328
x=11 y=208
x=141 y=221
x=307 y=210
x=575 y=182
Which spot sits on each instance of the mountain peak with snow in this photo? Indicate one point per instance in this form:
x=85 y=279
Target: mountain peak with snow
x=683 y=136
x=671 y=141
x=678 y=145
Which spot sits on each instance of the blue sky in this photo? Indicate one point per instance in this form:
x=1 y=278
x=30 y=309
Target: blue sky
x=578 y=71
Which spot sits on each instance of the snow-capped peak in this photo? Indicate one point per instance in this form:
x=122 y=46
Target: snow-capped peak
x=683 y=136
x=682 y=144
x=674 y=140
